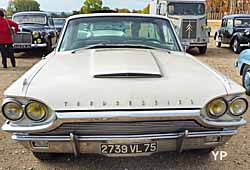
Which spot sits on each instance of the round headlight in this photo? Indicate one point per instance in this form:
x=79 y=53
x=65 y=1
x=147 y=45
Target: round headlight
x=217 y=108
x=238 y=107
x=12 y=110
x=36 y=111
x=39 y=41
x=36 y=34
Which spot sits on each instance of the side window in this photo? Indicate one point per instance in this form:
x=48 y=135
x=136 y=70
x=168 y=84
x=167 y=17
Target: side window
x=224 y=23
x=51 y=23
x=230 y=23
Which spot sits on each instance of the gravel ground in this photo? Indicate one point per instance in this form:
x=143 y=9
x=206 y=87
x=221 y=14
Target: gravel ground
x=14 y=156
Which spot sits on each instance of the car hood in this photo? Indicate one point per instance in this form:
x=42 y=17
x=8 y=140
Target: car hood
x=100 y=79
x=31 y=27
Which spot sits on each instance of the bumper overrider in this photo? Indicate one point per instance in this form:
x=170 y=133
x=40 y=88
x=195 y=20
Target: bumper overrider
x=43 y=138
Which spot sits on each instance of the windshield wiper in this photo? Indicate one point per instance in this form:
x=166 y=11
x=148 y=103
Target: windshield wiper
x=90 y=46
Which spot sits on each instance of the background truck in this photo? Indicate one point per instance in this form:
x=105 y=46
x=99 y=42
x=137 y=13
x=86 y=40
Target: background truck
x=188 y=18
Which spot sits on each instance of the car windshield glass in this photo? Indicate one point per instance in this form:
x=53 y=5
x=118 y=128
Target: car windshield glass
x=30 y=19
x=59 y=21
x=84 y=32
x=242 y=22
x=186 y=9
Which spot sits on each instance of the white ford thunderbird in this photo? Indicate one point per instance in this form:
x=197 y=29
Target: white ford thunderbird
x=121 y=85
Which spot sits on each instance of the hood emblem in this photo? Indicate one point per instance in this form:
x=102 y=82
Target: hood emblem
x=189 y=28
x=143 y=103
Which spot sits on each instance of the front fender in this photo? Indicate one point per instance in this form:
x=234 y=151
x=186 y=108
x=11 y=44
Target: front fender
x=244 y=59
x=235 y=35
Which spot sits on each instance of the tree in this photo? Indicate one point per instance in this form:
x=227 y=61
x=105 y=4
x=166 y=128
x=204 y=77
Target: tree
x=106 y=8
x=91 y=6
x=146 y=9
x=22 y=5
x=75 y=12
x=123 y=10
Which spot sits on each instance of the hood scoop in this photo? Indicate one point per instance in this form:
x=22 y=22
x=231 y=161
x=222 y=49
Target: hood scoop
x=124 y=63
x=128 y=75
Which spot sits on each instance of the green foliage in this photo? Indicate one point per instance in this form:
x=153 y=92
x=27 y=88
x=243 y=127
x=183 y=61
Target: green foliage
x=146 y=9
x=123 y=10
x=91 y=6
x=106 y=8
x=22 y=5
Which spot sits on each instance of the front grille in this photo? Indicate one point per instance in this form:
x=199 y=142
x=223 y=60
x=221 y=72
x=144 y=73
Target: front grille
x=128 y=128
x=23 y=37
x=189 y=29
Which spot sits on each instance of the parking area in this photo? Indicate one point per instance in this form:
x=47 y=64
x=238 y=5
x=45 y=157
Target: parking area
x=14 y=156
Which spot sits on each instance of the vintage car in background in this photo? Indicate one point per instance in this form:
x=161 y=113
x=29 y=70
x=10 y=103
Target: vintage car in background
x=235 y=31
x=37 y=32
x=189 y=20
x=243 y=66
x=127 y=88
x=59 y=24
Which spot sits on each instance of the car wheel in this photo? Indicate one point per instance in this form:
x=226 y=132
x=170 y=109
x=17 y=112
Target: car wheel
x=44 y=156
x=236 y=46
x=203 y=50
x=217 y=41
x=49 y=48
x=246 y=79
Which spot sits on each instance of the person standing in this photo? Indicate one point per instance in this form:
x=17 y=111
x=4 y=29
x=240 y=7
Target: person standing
x=6 y=39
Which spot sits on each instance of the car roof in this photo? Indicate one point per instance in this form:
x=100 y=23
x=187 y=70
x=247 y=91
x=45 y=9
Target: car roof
x=117 y=14
x=237 y=16
x=32 y=13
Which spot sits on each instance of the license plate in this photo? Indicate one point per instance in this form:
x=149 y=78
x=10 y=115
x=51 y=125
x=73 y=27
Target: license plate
x=22 y=46
x=128 y=148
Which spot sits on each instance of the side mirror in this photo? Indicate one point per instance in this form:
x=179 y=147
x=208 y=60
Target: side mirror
x=185 y=45
x=163 y=8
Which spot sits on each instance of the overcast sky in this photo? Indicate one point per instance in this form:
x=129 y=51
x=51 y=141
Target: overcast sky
x=70 y=5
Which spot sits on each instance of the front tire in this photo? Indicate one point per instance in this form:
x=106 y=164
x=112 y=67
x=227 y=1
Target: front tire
x=203 y=50
x=49 y=48
x=236 y=46
x=217 y=41
x=246 y=79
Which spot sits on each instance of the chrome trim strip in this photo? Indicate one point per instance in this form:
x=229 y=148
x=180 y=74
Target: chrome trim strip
x=23 y=137
x=121 y=116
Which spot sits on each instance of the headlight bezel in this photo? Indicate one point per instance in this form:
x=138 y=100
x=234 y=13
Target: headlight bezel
x=36 y=34
x=214 y=115
x=15 y=102
x=234 y=100
x=44 y=117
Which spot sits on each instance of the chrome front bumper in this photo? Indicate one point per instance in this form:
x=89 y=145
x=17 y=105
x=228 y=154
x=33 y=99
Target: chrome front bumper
x=38 y=45
x=20 y=46
x=37 y=137
x=91 y=144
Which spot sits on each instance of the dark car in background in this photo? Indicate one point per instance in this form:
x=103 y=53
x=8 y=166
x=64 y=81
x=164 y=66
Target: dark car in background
x=59 y=23
x=37 y=32
x=235 y=31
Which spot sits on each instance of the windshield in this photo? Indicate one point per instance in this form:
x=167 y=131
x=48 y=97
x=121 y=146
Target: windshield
x=59 y=21
x=152 y=32
x=186 y=9
x=242 y=22
x=30 y=19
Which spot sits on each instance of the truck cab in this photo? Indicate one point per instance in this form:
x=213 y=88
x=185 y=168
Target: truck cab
x=188 y=18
